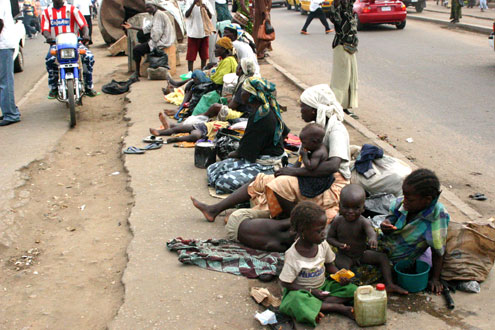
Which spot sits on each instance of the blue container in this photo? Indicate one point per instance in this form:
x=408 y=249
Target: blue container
x=412 y=282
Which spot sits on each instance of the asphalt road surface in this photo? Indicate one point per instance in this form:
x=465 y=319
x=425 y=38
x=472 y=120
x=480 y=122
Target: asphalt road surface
x=34 y=67
x=430 y=83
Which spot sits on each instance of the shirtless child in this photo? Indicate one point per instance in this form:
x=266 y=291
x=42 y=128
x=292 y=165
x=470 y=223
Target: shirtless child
x=313 y=151
x=348 y=233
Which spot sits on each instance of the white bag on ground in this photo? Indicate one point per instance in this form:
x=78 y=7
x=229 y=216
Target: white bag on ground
x=390 y=173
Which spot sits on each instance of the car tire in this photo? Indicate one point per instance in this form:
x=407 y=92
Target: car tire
x=19 y=61
x=304 y=12
x=289 y=7
x=359 y=25
x=401 y=25
x=419 y=7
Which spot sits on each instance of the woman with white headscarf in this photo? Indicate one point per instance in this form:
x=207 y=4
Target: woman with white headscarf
x=278 y=194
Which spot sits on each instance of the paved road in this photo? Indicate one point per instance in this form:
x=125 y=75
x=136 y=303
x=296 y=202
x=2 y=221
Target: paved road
x=34 y=66
x=426 y=82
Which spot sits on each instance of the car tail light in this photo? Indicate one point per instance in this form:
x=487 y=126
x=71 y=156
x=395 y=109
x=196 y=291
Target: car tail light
x=493 y=27
x=403 y=7
x=366 y=9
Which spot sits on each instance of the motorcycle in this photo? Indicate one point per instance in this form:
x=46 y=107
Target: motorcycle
x=70 y=73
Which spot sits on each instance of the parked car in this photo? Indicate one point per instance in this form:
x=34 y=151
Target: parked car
x=306 y=3
x=380 y=12
x=296 y=4
x=20 y=33
x=492 y=36
x=418 y=4
x=278 y=3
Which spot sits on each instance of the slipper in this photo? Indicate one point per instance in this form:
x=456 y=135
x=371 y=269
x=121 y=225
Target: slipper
x=478 y=197
x=153 y=139
x=152 y=146
x=133 y=150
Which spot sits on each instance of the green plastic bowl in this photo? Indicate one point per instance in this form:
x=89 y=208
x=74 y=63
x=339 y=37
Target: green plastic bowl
x=412 y=282
x=185 y=76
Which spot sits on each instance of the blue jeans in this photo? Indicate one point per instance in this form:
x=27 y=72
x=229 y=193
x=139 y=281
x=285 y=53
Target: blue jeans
x=7 y=100
x=87 y=60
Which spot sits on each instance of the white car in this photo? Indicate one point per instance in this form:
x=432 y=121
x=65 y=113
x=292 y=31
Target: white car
x=20 y=32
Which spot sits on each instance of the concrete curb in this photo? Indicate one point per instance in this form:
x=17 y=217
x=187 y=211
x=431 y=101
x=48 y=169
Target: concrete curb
x=467 y=27
x=448 y=195
x=463 y=14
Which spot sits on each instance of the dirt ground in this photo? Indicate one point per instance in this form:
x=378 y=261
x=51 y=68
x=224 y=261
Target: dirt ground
x=71 y=214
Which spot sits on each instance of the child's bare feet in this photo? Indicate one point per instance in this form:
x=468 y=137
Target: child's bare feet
x=154 y=132
x=163 y=120
x=205 y=209
x=347 y=311
x=319 y=317
x=394 y=288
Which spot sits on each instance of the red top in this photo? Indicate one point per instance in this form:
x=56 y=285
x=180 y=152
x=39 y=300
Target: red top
x=65 y=19
x=380 y=286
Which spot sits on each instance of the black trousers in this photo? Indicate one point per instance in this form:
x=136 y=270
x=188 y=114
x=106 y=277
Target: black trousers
x=141 y=50
x=319 y=14
x=90 y=25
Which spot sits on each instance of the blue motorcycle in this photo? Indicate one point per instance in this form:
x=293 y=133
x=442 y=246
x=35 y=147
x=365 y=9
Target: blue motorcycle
x=70 y=72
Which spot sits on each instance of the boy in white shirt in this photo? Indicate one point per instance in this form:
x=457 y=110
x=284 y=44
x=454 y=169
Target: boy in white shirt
x=316 y=11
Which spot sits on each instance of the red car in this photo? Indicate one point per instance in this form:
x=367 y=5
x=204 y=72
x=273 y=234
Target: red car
x=380 y=12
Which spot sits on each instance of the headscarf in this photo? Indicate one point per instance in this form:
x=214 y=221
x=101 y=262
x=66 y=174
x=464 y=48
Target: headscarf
x=225 y=43
x=264 y=90
x=200 y=75
x=155 y=3
x=323 y=100
x=248 y=66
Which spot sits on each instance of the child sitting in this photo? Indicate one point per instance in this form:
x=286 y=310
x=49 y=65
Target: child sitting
x=348 y=233
x=307 y=293
x=418 y=221
x=313 y=151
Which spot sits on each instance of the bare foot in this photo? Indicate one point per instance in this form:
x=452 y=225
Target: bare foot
x=319 y=317
x=394 y=288
x=169 y=112
x=210 y=216
x=163 y=120
x=154 y=132
x=348 y=311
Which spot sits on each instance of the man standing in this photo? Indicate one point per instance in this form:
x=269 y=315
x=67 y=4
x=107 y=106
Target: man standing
x=161 y=31
x=63 y=18
x=197 y=38
x=344 y=82
x=316 y=11
x=85 y=7
x=28 y=14
x=10 y=112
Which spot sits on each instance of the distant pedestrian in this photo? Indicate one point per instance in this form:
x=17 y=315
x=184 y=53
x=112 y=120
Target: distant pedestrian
x=86 y=8
x=471 y=3
x=315 y=10
x=483 y=5
x=8 y=41
x=344 y=82
x=197 y=36
x=28 y=18
x=222 y=9
x=261 y=14
x=456 y=10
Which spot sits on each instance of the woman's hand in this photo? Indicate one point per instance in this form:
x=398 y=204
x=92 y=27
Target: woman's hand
x=387 y=227
x=344 y=247
x=435 y=286
x=320 y=294
x=285 y=171
x=344 y=281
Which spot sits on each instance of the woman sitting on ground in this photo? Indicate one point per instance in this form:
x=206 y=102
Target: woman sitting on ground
x=279 y=193
x=261 y=148
x=417 y=221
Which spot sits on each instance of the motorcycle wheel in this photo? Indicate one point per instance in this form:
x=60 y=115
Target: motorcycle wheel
x=72 y=103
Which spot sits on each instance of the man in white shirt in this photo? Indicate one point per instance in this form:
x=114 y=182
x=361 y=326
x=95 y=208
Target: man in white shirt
x=197 y=39
x=8 y=40
x=316 y=11
x=86 y=7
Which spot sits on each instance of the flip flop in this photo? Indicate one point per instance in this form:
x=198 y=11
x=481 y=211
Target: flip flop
x=133 y=150
x=152 y=146
x=153 y=139
x=478 y=197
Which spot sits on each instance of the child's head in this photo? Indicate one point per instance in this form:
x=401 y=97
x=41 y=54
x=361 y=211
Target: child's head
x=312 y=136
x=308 y=221
x=420 y=188
x=352 y=199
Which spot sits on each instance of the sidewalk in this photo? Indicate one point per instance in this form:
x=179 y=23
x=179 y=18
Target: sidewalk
x=472 y=18
x=161 y=293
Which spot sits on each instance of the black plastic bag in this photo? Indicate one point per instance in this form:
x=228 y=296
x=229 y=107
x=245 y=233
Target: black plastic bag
x=269 y=28
x=226 y=141
x=158 y=58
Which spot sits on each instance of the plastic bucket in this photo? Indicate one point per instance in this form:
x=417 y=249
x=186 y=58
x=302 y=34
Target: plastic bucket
x=412 y=282
x=204 y=154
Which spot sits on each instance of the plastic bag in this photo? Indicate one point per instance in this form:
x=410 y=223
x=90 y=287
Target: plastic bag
x=379 y=203
x=206 y=101
x=226 y=141
x=158 y=58
x=469 y=286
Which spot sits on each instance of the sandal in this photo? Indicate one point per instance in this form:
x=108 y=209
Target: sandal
x=133 y=150
x=152 y=146
x=153 y=139
x=478 y=197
